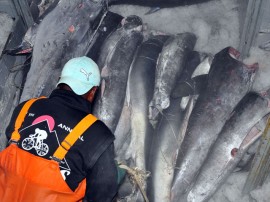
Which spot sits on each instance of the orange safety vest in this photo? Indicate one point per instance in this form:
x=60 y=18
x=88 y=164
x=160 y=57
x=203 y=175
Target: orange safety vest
x=25 y=177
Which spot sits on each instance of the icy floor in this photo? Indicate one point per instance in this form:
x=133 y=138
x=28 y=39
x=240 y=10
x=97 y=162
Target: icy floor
x=216 y=25
x=231 y=190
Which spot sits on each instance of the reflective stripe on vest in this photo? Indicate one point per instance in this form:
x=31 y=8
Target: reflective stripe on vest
x=15 y=135
x=72 y=137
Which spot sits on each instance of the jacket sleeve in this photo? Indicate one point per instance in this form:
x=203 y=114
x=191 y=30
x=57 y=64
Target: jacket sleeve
x=102 y=178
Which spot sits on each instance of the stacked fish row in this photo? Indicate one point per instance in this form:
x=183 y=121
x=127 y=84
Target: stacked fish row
x=156 y=133
x=219 y=129
x=187 y=126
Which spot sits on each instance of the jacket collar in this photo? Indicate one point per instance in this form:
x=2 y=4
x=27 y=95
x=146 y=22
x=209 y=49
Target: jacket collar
x=69 y=98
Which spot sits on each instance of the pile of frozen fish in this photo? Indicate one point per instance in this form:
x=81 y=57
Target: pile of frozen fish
x=182 y=118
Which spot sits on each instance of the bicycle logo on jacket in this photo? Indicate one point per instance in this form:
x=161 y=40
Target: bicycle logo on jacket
x=36 y=141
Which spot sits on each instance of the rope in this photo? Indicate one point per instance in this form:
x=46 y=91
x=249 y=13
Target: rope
x=138 y=176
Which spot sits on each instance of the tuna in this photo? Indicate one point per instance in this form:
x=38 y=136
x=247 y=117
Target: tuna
x=166 y=143
x=57 y=41
x=234 y=140
x=27 y=43
x=169 y=134
x=116 y=57
x=169 y=68
x=229 y=81
x=140 y=90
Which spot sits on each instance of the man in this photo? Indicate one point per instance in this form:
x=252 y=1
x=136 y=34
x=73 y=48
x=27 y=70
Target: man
x=91 y=157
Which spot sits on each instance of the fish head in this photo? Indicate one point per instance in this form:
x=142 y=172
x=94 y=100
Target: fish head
x=230 y=76
x=153 y=115
x=249 y=71
x=156 y=106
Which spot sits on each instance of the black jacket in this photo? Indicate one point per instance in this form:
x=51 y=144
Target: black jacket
x=92 y=155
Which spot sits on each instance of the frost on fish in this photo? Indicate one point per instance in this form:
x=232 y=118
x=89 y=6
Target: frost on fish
x=56 y=42
x=238 y=134
x=140 y=90
x=116 y=57
x=229 y=81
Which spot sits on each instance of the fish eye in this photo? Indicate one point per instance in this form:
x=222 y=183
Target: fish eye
x=234 y=152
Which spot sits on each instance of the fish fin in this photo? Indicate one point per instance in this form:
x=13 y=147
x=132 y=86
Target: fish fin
x=266 y=95
x=104 y=72
x=251 y=137
x=183 y=89
x=237 y=169
x=184 y=102
x=103 y=86
x=265 y=46
x=128 y=81
x=30 y=35
x=200 y=83
x=152 y=10
x=128 y=96
x=190 y=87
x=153 y=114
x=254 y=134
x=203 y=67
x=22 y=49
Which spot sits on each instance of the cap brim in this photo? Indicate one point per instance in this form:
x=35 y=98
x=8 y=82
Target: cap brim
x=77 y=86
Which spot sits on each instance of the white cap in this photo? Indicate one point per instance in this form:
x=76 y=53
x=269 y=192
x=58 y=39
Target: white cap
x=80 y=74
